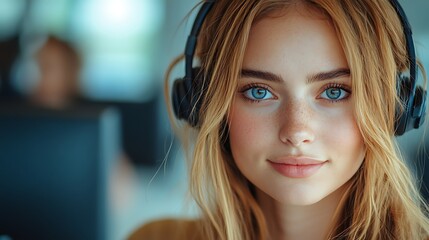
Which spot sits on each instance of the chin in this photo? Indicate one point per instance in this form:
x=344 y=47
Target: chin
x=295 y=197
x=301 y=199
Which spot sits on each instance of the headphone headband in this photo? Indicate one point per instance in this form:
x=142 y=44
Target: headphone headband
x=409 y=41
x=191 y=42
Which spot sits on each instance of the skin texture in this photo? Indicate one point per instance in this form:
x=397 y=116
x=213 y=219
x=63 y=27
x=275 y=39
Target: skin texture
x=285 y=110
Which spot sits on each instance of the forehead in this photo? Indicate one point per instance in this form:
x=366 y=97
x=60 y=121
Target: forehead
x=296 y=38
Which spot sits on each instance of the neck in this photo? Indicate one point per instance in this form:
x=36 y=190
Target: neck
x=293 y=222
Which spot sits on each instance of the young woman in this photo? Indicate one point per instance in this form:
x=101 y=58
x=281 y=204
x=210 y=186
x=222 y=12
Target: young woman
x=293 y=113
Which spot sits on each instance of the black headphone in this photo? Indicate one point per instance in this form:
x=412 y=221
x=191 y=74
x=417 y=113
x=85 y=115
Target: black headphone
x=188 y=93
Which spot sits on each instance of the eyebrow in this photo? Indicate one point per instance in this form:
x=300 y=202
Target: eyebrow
x=261 y=75
x=337 y=73
x=322 y=76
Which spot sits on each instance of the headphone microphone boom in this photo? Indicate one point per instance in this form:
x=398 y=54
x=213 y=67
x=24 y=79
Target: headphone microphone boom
x=187 y=92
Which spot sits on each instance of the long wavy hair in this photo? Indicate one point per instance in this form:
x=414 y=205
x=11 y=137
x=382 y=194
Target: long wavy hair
x=382 y=200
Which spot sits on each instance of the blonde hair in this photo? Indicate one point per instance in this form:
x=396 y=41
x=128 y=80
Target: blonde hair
x=382 y=200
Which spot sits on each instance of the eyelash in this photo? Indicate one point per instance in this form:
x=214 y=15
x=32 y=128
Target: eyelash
x=340 y=86
x=248 y=87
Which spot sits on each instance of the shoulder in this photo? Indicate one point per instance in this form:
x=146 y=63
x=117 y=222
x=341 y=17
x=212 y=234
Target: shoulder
x=174 y=229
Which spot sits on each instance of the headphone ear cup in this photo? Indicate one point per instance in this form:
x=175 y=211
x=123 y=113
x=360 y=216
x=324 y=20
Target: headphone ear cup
x=413 y=115
x=187 y=97
x=180 y=99
x=404 y=90
x=419 y=107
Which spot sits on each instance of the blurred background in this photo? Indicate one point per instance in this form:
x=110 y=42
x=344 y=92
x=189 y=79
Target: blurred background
x=83 y=124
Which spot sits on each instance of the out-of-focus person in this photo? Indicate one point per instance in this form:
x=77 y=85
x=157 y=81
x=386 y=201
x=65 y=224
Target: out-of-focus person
x=59 y=67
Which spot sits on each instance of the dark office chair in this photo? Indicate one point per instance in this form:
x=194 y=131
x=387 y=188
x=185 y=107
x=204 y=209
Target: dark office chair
x=54 y=168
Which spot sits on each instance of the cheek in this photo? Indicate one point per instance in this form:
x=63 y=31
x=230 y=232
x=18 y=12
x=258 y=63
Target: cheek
x=241 y=129
x=338 y=128
x=346 y=143
x=247 y=133
x=348 y=134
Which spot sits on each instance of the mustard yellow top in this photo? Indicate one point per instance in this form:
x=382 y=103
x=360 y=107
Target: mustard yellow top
x=171 y=229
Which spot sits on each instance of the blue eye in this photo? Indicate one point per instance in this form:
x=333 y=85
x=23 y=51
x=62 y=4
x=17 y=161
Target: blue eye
x=335 y=93
x=257 y=93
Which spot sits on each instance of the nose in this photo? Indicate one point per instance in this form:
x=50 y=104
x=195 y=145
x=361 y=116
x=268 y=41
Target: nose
x=296 y=124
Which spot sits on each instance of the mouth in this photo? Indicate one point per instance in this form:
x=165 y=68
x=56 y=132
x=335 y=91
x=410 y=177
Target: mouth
x=297 y=167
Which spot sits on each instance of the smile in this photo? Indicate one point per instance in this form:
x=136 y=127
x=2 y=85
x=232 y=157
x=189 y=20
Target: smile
x=297 y=167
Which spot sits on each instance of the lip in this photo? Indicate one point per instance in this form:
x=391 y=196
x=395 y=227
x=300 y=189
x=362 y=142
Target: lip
x=297 y=167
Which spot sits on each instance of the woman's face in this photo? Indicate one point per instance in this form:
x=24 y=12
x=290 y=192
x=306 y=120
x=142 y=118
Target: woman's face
x=292 y=128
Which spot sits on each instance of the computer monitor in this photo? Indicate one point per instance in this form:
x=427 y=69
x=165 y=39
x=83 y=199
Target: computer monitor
x=54 y=167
